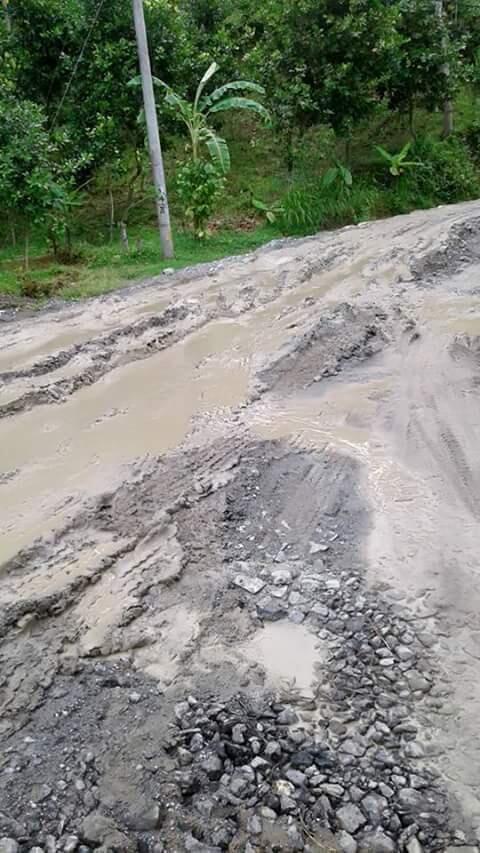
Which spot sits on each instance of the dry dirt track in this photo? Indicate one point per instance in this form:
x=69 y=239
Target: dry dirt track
x=252 y=482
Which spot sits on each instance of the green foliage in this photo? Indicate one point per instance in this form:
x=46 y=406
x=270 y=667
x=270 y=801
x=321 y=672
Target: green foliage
x=312 y=208
x=340 y=175
x=271 y=211
x=196 y=115
x=397 y=163
x=199 y=186
x=30 y=192
x=319 y=60
x=448 y=173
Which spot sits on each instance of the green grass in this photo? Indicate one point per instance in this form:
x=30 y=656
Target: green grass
x=103 y=268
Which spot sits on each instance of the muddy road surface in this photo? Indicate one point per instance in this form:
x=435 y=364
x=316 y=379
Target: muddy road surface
x=239 y=557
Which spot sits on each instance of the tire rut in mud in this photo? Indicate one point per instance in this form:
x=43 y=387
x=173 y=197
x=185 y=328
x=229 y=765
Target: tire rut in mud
x=342 y=338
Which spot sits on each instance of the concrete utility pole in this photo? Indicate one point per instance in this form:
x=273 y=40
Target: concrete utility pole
x=445 y=69
x=152 y=131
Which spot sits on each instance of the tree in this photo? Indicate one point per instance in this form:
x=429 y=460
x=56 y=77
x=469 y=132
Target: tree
x=29 y=191
x=201 y=182
x=320 y=61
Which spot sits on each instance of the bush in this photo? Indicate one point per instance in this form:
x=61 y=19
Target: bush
x=306 y=210
x=471 y=137
x=447 y=173
x=199 y=185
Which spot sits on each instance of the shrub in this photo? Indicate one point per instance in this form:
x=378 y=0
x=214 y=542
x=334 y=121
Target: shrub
x=447 y=173
x=306 y=210
x=199 y=185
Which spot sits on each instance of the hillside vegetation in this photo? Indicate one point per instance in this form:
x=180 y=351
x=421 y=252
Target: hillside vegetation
x=320 y=113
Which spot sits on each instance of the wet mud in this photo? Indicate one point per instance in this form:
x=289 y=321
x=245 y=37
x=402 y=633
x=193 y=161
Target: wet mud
x=252 y=485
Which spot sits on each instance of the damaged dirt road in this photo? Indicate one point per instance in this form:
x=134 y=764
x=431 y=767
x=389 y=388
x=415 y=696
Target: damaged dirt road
x=239 y=557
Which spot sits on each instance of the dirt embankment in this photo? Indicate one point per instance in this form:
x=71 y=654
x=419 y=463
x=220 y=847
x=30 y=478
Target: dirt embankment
x=239 y=558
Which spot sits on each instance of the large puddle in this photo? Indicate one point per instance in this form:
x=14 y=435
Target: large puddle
x=289 y=654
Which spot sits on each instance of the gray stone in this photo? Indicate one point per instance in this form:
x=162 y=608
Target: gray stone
x=37 y=850
x=414 y=750
x=267 y=813
x=254 y=825
x=270 y=610
x=145 y=819
x=356 y=793
x=384 y=758
x=385 y=790
x=259 y=763
x=281 y=577
x=296 y=777
x=404 y=653
x=345 y=842
x=411 y=800
x=70 y=844
x=320 y=610
x=287 y=717
x=238 y=733
x=50 y=844
x=194 y=846
x=181 y=710
x=99 y=829
x=414 y=846
x=238 y=785
x=356 y=747
x=287 y=804
x=278 y=591
x=248 y=584
x=350 y=818
x=373 y=805
x=204 y=806
x=331 y=790
x=295 y=840
x=333 y=584
x=376 y=842
x=316 y=548
x=417 y=682
x=296 y=616
x=213 y=767
x=273 y=748
x=9 y=845
x=135 y=697
x=197 y=743
x=417 y=782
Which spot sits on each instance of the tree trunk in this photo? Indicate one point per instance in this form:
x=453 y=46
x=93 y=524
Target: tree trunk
x=411 y=118
x=447 y=118
x=26 y=253
x=112 y=212
x=68 y=243
x=124 y=235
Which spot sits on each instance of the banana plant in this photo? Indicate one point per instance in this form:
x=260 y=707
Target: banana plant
x=338 y=174
x=196 y=115
x=397 y=163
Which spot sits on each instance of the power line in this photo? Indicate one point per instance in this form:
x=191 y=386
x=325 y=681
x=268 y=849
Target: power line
x=78 y=61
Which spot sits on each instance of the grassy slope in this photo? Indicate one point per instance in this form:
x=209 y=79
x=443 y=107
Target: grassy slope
x=106 y=267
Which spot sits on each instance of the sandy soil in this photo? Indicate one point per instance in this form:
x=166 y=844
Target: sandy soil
x=342 y=374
